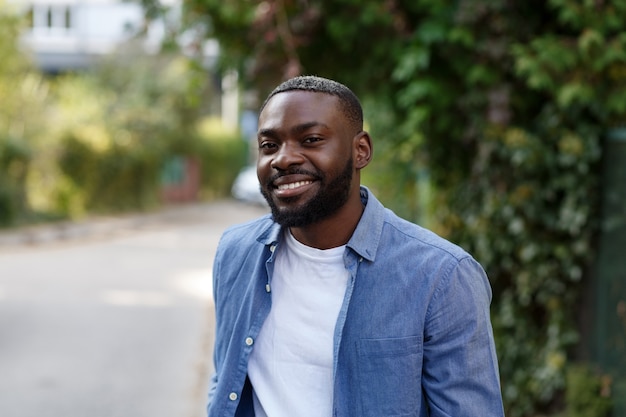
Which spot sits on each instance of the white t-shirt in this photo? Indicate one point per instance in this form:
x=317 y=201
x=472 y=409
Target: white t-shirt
x=291 y=365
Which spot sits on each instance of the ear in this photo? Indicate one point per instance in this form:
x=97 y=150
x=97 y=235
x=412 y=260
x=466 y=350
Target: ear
x=363 y=149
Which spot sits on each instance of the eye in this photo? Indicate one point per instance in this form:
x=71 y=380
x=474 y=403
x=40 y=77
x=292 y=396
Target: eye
x=267 y=146
x=312 y=139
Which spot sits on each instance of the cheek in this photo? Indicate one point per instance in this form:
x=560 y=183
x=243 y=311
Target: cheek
x=261 y=172
x=263 y=162
x=335 y=162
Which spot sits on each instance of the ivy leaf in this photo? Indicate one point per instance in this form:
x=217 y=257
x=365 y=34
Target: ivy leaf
x=432 y=31
x=574 y=92
x=415 y=59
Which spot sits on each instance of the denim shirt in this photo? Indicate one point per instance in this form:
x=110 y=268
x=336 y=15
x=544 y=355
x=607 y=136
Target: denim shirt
x=413 y=336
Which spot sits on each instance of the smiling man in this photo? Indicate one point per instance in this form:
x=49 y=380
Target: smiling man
x=333 y=305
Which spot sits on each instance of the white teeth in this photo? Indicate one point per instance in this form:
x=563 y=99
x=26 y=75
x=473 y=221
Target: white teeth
x=293 y=185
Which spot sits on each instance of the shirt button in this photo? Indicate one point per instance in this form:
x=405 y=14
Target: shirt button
x=232 y=396
x=249 y=341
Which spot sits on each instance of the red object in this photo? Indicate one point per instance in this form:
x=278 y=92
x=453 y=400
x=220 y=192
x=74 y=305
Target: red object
x=188 y=188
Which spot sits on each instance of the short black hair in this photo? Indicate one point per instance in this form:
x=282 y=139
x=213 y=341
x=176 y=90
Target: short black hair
x=350 y=104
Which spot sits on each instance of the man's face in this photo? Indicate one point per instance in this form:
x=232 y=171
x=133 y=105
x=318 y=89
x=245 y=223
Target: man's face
x=305 y=164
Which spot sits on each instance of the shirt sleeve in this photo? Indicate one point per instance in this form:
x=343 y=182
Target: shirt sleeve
x=215 y=281
x=460 y=374
x=212 y=388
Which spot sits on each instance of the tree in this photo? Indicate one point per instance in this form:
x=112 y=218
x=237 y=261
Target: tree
x=23 y=94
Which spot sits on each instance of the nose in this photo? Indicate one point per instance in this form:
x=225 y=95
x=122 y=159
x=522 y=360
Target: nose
x=286 y=156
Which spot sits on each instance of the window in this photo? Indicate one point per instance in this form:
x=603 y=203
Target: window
x=50 y=17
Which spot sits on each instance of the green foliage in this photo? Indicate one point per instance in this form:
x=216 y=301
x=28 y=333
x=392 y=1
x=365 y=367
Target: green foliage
x=114 y=132
x=585 y=70
x=97 y=141
x=14 y=160
x=119 y=178
x=587 y=394
x=12 y=60
x=23 y=95
x=121 y=124
x=515 y=154
x=527 y=213
x=506 y=104
x=223 y=154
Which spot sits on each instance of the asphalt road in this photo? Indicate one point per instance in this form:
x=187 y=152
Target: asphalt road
x=111 y=317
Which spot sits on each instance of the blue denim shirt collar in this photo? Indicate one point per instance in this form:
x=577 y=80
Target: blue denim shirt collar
x=270 y=235
x=366 y=236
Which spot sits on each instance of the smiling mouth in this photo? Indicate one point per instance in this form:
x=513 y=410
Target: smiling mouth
x=293 y=185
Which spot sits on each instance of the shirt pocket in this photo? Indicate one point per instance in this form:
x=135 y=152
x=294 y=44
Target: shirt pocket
x=390 y=372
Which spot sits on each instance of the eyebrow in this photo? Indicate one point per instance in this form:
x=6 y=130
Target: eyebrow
x=273 y=133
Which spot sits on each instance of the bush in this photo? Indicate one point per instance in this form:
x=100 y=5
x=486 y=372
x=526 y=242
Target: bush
x=121 y=124
x=120 y=178
x=587 y=394
x=15 y=158
x=222 y=154
x=110 y=146
x=23 y=94
x=513 y=117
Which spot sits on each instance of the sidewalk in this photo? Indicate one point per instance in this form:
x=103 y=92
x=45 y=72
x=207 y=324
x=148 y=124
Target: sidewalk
x=99 y=227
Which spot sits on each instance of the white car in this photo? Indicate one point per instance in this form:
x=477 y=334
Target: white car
x=247 y=188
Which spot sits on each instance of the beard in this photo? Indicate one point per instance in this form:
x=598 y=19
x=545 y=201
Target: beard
x=331 y=196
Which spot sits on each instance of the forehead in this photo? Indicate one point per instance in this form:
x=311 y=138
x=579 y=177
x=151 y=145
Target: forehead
x=293 y=107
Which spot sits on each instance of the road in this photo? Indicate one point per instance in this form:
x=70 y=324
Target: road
x=116 y=323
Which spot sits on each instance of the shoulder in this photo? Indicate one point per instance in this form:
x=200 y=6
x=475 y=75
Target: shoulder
x=383 y=237
x=450 y=269
x=425 y=251
x=418 y=237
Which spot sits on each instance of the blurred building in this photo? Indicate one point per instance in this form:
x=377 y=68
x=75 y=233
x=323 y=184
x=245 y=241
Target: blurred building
x=67 y=35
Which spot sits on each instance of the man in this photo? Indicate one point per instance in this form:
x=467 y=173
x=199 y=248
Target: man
x=333 y=305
